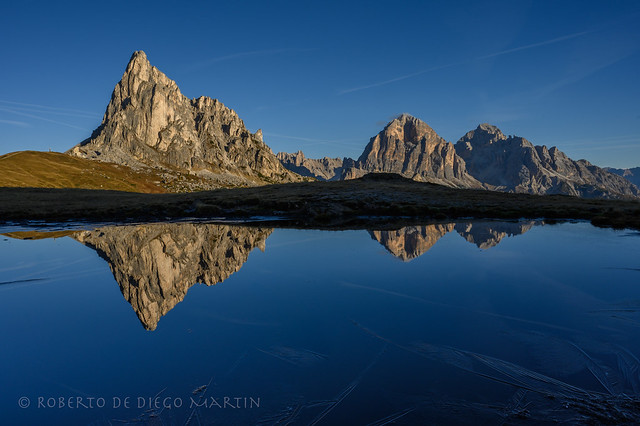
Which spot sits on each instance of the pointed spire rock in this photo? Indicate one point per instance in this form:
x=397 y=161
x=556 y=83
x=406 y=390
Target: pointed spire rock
x=149 y=123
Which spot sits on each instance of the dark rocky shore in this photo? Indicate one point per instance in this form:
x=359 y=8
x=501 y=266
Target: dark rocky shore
x=373 y=199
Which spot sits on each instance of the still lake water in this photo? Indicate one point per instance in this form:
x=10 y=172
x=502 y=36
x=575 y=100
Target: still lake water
x=469 y=323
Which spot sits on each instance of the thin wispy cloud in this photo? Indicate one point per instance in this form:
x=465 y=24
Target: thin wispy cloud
x=248 y=54
x=400 y=78
x=611 y=147
x=265 y=52
x=531 y=46
x=15 y=123
x=49 y=109
x=581 y=74
x=312 y=141
x=479 y=58
x=613 y=143
x=50 y=112
x=37 y=117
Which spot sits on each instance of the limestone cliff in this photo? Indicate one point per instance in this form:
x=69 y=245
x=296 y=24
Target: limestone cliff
x=149 y=123
x=156 y=264
x=514 y=164
x=409 y=147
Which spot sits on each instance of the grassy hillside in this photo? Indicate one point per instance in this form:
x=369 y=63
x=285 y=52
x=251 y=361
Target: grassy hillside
x=55 y=170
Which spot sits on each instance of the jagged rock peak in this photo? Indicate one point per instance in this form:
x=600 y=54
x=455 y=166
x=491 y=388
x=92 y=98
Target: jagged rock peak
x=514 y=164
x=138 y=60
x=484 y=134
x=489 y=128
x=139 y=69
x=409 y=147
x=409 y=129
x=149 y=123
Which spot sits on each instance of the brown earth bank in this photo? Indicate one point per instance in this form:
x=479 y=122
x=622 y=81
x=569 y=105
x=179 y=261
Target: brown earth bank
x=372 y=199
x=38 y=169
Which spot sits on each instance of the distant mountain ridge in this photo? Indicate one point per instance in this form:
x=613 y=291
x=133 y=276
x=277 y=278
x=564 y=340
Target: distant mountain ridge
x=323 y=169
x=163 y=141
x=514 y=164
x=149 y=123
x=482 y=158
x=632 y=174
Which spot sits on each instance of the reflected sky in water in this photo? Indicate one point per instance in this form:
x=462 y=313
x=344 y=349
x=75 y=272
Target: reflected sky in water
x=451 y=322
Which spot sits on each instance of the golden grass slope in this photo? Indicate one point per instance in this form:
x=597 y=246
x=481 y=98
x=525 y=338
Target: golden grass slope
x=36 y=169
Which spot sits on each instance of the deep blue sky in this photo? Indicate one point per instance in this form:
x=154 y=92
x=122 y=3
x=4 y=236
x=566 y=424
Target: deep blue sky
x=325 y=78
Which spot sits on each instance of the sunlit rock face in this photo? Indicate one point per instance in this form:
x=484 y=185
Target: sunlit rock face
x=409 y=147
x=514 y=164
x=150 y=123
x=484 y=158
x=155 y=265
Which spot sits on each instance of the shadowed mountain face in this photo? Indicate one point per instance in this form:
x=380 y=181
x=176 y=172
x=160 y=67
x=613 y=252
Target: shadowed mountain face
x=632 y=175
x=409 y=147
x=483 y=158
x=413 y=241
x=514 y=164
x=323 y=169
x=155 y=265
x=149 y=123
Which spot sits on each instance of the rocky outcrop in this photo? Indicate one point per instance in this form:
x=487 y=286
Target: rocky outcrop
x=514 y=164
x=322 y=169
x=149 y=123
x=409 y=147
x=156 y=264
x=632 y=175
x=489 y=234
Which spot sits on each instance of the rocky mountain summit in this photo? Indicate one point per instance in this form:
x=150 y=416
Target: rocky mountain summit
x=409 y=147
x=514 y=164
x=632 y=174
x=156 y=264
x=323 y=169
x=483 y=158
x=150 y=124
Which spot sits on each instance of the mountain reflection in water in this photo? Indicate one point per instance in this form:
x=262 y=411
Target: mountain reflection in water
x=156 y=264
x=414 y=241
x=542 y=329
